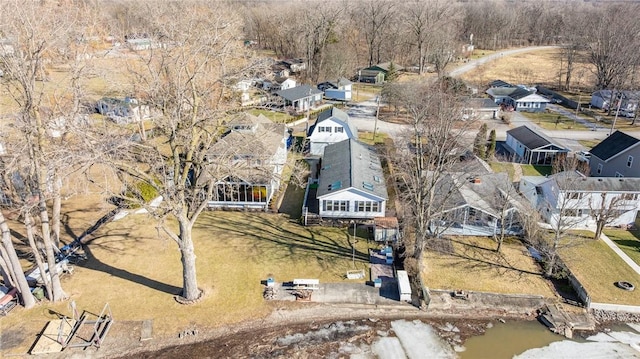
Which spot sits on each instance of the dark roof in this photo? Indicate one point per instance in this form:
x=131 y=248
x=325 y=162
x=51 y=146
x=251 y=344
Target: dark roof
x=500 y=83
x=482 y=103
x=531 y=138
x=519 y=93
x=572 y=181
x=384 y=67
x=351 y=164
x=613 y=145
x=298 y=92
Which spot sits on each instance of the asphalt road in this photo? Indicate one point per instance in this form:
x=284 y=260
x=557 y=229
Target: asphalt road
x=363 y=113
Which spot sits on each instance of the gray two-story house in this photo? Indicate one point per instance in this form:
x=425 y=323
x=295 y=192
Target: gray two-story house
x=616 y=156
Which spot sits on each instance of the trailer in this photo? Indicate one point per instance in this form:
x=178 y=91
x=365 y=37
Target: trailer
x=404 y=287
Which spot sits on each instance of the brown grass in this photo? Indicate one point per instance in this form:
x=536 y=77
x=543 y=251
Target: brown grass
x=475 y=265
x=136 y=269
x=597 y=268
x=530 y=68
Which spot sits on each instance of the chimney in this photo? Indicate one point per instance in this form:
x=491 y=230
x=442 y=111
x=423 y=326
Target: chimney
x=477 y=180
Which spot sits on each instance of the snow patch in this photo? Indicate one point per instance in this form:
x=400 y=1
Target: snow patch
x=388 y=348
x=591 y=350
x=420 y=340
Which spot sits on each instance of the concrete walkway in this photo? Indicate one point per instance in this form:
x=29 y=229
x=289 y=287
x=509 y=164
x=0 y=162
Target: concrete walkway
x=620 y=253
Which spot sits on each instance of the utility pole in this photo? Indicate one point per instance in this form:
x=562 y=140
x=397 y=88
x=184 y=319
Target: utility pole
x=575 y=119
x=613 y=125
x=375 y=123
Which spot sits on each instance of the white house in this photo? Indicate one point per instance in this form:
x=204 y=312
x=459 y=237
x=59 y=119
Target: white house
x=248 y=162
x=332 y=126
x=518 y=98
x=351 y=183
x=300 y=98
x=628 y=99
x=574 y=198
x=279 y=84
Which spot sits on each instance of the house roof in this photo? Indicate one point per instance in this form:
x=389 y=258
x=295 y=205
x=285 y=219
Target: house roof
x=335 y=84
x=339 y=116
x=298 y=93
x=499 y=83
x=458 y=189
x=613 y=145
x=606 y=94
x=385 y=67
x=351 y=164
x=482 y=103
x=531 y=138
x=243 y=148
x=571 y=181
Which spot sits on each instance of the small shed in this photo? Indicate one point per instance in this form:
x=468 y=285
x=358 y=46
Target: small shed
x=385 y=229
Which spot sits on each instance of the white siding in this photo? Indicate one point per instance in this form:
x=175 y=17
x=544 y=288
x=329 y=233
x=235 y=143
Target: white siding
x=321 y=139
x=351 y=195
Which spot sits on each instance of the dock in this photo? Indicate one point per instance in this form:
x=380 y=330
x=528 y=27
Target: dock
x=565 y=323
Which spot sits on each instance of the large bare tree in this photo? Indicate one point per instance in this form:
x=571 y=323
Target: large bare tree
x=185 y=78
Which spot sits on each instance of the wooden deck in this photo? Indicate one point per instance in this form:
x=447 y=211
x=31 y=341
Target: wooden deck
x=48 y=340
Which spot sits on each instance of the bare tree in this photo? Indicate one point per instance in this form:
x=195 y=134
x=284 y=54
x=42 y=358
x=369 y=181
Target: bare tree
x=185 y=76
x=434 y=146
x=375 y=17
x=42 y=36
x=607 y=207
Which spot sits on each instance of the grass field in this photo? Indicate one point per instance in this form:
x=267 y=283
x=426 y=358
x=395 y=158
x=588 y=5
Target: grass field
x=367 y=137
x=503 y=167
x=475 y=265
x=597 y=268
x=554 y=121
x=534 y=170
x=277 y=117
x=136 y=269
x=628 y=241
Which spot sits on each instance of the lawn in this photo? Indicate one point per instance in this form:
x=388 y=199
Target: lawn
x=136 y=269
x=367 y=137
x=589 y=144
x=474 y=264
x=277 y=117
x=628 y=241
x=362 y=92
x=553 y=121
x=503 y=167
x=597 y=268
x=535 y=170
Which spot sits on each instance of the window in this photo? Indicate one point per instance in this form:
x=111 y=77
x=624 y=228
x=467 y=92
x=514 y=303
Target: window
x=599 y=171
x=339 y=129
x=619 y=175
x=339 y=206
x=367 y=206
x=629 y=161
x=574 y=195
x=324 y=129
x=630 y=196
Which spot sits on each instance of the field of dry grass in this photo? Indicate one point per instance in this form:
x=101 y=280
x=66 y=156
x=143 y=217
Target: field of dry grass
x=475 y=265
x=530 y=68
x=137 y=269
x=597 y=268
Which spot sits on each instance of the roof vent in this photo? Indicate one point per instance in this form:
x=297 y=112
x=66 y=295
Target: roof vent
x=599 y=179
x=621 y=179
x=477 y=180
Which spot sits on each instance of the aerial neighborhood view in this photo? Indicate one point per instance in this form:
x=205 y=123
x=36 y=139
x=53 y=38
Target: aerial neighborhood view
x=320 y=179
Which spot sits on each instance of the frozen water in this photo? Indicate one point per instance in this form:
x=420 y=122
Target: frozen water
x=420 y=340
x=591 y=350
x=388 y=348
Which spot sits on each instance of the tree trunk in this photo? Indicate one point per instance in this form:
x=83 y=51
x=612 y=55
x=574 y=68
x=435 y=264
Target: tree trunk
x=599 y=228
x=14 y=263
x=56 y=286
x=55 y=211
x=190 y=289
x=28 y=224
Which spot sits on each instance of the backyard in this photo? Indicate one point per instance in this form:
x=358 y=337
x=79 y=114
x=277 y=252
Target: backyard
x=627 y=240
x=136 y=269
x=597 y=268
x=554 y=121
x=471 y=263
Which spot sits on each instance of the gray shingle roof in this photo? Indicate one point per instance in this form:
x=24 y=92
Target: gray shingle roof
x=339 y=116
x=531 y=138
x=298 y=92
x=571 y=181
x=351 y=164
x=613 y=145
x=500 y=83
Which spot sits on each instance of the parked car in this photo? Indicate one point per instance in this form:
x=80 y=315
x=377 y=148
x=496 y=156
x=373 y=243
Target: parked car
x=583 y=156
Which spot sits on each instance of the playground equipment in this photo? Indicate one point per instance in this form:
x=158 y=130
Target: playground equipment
x=81 y=331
